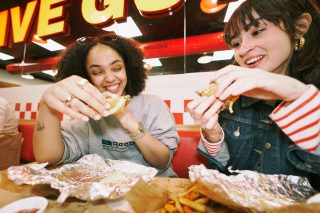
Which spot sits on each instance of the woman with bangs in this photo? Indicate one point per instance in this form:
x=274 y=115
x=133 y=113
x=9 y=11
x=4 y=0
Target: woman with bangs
x=90 y=72
x=275 y=124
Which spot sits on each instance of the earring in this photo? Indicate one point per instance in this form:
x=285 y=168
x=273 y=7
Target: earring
x=299 y=43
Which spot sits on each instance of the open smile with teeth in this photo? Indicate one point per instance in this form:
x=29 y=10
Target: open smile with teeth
x=253 y=60
x=113 y=88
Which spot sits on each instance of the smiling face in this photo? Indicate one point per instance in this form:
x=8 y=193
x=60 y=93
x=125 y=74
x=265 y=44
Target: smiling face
x=263 y=45
x=106 y=69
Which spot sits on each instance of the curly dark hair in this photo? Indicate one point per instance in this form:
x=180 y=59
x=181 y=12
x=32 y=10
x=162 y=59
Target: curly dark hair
x=73 y=60
x=305 y=64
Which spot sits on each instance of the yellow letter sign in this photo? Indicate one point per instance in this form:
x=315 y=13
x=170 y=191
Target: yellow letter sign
x=113 y=9
x=50 y=11
x=20 y=28
x=3 y=28
x=158 y=7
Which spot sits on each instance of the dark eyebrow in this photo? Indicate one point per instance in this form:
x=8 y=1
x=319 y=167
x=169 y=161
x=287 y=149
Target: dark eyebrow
x=112 y=63
x=93 y=65
x=254 y=22
x=246 y=27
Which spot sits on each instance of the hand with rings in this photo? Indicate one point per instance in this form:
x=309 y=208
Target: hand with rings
x=77 y=98
x=68 y=100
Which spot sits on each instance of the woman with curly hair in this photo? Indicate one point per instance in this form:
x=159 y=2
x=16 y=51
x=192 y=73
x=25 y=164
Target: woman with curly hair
x=90 y=73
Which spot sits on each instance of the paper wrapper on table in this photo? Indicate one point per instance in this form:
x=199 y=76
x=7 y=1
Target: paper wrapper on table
x=90 y=178
x=144 y=197
x=251 y=191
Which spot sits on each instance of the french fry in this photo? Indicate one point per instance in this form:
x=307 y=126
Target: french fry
x=171 y=201
x=186 y=209
x=190 y=190
x=170 y=208
x=163 y=210
x=202 y=200
x=178 y=205
x=193 y=195
x=196 y=206
x=186 y=202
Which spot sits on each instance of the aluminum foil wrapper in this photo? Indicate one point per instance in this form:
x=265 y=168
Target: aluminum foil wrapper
x=252 y=191
x=90 y=178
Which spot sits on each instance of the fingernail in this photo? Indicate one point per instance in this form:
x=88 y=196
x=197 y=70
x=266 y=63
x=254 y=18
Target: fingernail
x=107 y=105
x=97 y=117
x=85 y=118
x=105 y=113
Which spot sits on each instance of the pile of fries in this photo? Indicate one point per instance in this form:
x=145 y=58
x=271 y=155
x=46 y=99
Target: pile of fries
x=186 y=202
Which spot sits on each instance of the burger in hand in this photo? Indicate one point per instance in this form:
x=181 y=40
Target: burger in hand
x=117 y=103
x=211 y=89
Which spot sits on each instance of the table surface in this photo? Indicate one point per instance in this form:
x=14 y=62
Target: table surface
x=9 y=191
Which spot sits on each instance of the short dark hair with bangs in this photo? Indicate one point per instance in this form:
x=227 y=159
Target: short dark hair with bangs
x=73 y=60
x=305 y=64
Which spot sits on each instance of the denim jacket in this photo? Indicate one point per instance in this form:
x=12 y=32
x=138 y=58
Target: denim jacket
x=256 y=143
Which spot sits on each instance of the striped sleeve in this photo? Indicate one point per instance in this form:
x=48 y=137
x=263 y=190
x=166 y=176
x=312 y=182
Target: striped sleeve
x=300 y=120
x=213 y=145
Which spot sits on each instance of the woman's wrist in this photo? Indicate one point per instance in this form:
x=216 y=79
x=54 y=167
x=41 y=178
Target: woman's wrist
x=45 y=109
x=139 y=132
x=213 y=142
x=134 y=127
x=300 y=90
x=215 y=136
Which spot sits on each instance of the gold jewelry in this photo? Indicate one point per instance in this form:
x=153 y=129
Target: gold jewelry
x=299 y=44
x=68 y=100
x=138 y=133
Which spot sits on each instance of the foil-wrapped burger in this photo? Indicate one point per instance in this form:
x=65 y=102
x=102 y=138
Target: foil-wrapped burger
x=90 y=178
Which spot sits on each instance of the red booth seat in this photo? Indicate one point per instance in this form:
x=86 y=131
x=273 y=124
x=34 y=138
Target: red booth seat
x=186 y=153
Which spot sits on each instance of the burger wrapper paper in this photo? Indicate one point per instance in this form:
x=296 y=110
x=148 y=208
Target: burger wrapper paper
x=90 y=178
x=146 y=198
x=250 y=191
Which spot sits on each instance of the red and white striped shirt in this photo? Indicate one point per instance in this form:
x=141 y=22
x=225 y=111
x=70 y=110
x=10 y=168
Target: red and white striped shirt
x=213 y=147
x=300 y=120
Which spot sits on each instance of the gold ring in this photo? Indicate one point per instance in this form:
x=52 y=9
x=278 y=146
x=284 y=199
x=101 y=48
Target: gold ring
x=68 y=100
x=82 y=82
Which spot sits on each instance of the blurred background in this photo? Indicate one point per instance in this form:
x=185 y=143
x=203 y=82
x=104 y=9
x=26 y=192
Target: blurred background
x=186 y=38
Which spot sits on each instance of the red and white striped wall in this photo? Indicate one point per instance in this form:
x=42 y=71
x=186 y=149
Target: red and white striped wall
x=176 y=90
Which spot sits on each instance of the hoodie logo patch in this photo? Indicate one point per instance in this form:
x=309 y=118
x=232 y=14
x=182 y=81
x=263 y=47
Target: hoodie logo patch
x=116 y=146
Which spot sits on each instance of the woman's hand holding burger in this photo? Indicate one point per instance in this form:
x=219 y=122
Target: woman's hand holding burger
x=205 y=109
x=75 y=97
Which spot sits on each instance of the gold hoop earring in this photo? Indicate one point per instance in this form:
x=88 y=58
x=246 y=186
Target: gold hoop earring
x=299 y=44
